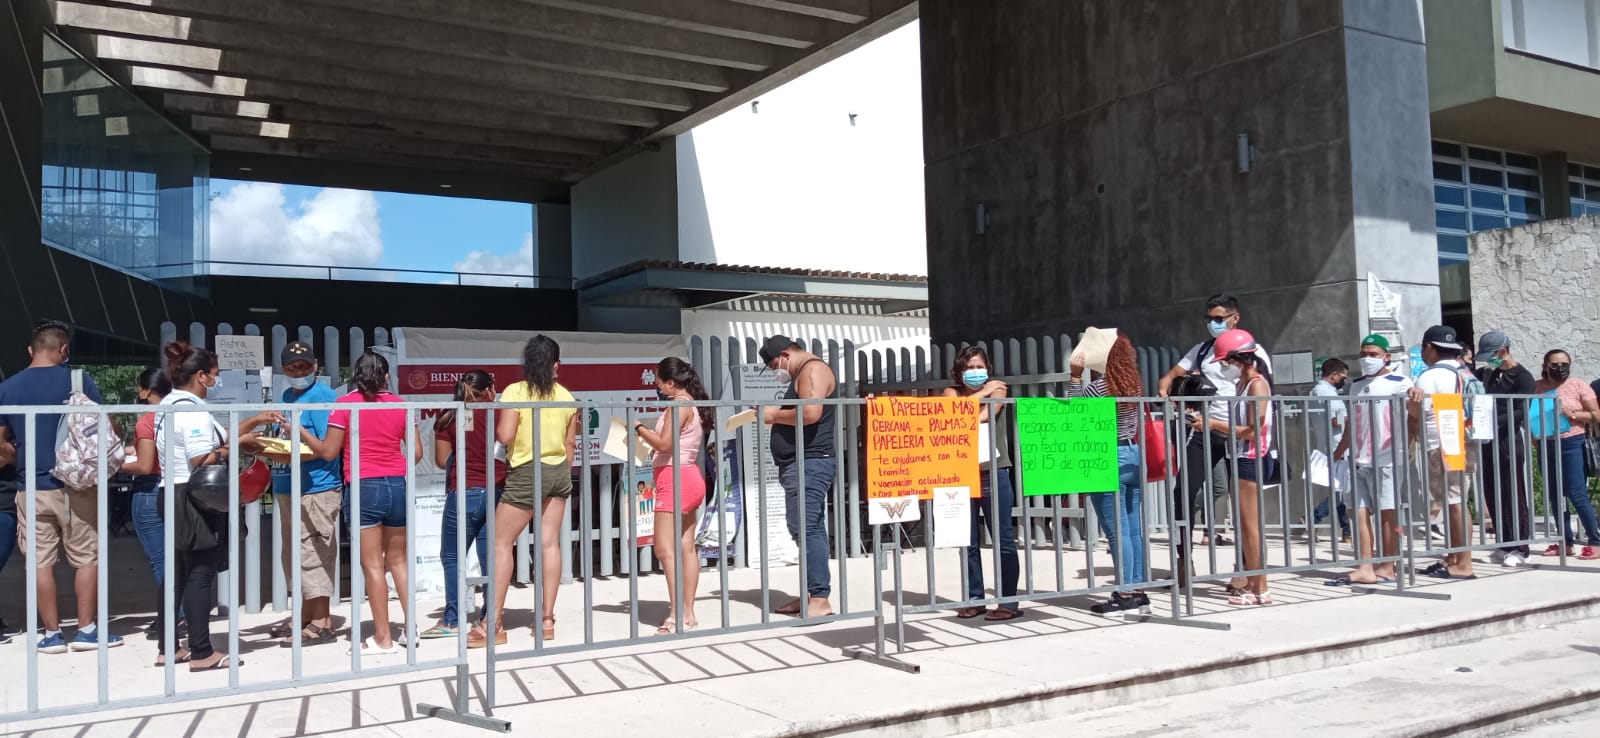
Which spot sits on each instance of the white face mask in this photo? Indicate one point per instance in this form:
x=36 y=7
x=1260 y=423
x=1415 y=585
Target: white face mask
x=301 y=383
x=216 y=383
x=1371 y=366
x=784 y=376
x=1230 y=372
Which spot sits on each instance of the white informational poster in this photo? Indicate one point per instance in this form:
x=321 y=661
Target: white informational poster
x=891 y=510
x=756 y=383
x=1383 y=315
x=952 y=517
x=1483 y=424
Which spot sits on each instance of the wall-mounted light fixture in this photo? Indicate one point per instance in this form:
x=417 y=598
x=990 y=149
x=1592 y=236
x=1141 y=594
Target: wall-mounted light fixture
x=754 y=106
x=1244 y=153
x=852 y=119
x=983 y=219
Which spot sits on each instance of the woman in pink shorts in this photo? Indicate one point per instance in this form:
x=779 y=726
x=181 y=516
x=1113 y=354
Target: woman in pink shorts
x=678 y=381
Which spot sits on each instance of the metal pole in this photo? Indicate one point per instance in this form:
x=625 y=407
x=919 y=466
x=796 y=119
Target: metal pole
x=295 y=511
x=102 y=608
x=358 y=583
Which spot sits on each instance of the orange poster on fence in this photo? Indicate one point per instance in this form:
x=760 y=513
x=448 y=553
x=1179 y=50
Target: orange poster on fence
x=1450 y=424
x=916 y=445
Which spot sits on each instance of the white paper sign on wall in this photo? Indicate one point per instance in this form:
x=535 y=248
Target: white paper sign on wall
x=240 y=352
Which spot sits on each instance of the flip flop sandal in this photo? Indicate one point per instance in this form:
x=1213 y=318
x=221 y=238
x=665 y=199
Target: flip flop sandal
x=967 y=613
x=788 y=608
x=439 y=631
x=1434 y=569
x=281 y=630
x=220 y=665
x=1002 y=613
x=319 y=636
x=1340 y=582
x=183 y=658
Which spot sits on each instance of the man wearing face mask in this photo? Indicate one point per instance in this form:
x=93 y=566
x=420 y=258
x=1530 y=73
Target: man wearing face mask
x=809 y=378
x=1327 y=429
x=1203 y=465
x=1506 y=474
x=321 y=496
x=1372 y=436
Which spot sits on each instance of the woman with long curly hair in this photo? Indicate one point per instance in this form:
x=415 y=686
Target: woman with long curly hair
x=1123 y=525
x=972 y=371
x=677 y=381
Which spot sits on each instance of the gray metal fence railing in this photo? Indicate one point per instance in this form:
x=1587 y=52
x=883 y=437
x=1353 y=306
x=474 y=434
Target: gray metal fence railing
x=1495 y=485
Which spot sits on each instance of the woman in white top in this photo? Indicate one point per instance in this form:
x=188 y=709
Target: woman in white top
x=188 y=441
x=677 y=380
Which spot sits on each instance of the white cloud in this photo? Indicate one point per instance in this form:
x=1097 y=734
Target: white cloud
x=519 y=262
x=250 y=223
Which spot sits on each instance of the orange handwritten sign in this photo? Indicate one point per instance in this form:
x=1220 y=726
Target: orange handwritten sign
x=918 y=444
x=1450 y=421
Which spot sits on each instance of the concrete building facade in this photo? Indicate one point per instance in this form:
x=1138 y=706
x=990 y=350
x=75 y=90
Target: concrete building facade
x=1539 y=283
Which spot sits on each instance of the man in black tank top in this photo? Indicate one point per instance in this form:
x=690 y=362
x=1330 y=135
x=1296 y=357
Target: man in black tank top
x=809 y=378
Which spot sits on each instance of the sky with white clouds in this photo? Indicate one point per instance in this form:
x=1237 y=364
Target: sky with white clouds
x=292 y=226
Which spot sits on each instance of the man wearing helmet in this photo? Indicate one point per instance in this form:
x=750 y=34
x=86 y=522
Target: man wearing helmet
x=1205 y=450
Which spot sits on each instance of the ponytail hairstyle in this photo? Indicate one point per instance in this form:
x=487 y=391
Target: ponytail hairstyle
x=679 y=372
x=539 y=359
x=474 y=386
x=155 y=381
x=370 y=375
x=185 y=362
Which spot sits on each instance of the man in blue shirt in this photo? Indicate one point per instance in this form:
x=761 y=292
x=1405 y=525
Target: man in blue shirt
x=321 y=496
x=64 y=518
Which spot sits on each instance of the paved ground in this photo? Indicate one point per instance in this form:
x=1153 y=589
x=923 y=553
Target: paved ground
x=724 y=684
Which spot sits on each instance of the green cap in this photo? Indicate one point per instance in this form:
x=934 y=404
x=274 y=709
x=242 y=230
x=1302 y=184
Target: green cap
x=1376 y=340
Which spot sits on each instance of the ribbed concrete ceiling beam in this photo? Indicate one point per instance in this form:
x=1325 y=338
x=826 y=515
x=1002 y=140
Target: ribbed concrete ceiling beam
x=844 y=11
x=718 y=17
x=385 y=143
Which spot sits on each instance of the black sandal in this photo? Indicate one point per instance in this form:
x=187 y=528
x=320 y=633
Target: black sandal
x=967 y=613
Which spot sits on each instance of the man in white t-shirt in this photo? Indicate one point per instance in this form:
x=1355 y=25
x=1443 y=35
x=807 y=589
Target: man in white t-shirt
x=1327 y=420
x=1371 y=434
x=1446 y=375
x=1205 y=452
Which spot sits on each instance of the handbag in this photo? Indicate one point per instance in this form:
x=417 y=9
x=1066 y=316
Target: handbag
x=1157 y=462
x=1591 y=452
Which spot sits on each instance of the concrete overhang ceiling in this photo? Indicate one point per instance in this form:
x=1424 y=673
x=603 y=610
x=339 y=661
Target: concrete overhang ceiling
x=490 y=98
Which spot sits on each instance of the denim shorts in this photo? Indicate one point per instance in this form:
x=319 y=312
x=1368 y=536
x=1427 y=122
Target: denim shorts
x=1260 y=471
x=383 y=502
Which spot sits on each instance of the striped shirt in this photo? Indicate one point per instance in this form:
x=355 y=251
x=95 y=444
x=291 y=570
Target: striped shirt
x=1127 y=412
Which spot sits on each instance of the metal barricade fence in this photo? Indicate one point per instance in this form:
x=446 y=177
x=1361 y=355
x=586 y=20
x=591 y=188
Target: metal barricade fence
x=1261 y=511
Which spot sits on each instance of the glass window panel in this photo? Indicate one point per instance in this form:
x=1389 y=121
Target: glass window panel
x=1522 y=160
x=1445 y=148
x=1488 y=177
x=1488 y=200
x=1450 y=220
x=1591 y=173
x=1452 y=244
x=1485 y=221
x=1574 y=188
x=1574 y=170
x=1516 y=181
x=1446 y=172
x=1520 y=204
x=1449 y=195
x=1476 y=154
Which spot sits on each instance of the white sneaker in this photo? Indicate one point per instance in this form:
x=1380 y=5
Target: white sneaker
x=1514 y=560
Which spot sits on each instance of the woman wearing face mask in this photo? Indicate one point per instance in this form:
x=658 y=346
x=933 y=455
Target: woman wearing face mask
x=192 y=438
x=676 y=380
x=973 y=368
x=1576 y=402
x=474 y=386
x=1123 y=526
x=1250 y=423
x=144 y=464
x=381 y=438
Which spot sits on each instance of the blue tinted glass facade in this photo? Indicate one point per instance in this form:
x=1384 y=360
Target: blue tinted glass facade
x=1477 y=189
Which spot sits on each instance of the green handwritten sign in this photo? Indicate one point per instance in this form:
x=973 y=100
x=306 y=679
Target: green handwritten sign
x=1068 y=446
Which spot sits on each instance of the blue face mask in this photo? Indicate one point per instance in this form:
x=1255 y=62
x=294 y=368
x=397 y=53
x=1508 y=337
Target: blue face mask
x=1217 y=327
x=975 y=378
x=301 y=383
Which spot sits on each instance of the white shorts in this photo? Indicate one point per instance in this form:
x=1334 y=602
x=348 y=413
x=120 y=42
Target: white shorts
x=1374 y=487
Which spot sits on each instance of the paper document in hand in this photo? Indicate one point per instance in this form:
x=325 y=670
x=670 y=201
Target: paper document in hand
x=985 y=452
x=1094 y=347
x=617 y=443
x=740 y=420
x=281 y=447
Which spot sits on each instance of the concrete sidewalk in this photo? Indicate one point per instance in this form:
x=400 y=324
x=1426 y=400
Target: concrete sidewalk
x=975 y=675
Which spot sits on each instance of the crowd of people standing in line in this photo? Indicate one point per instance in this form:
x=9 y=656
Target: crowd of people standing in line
x=355 y=463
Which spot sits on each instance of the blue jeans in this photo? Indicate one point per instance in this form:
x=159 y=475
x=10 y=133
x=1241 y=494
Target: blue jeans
x=1321 y=513
x=1006 y=543
x=477 y=533
x=8 y=537
x=1126 y=536
x=148 y=527
x=1574 y=485
x=383 y=502
x=819 y=480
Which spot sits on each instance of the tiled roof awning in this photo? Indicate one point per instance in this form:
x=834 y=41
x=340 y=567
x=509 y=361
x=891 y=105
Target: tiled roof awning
x=696 y=285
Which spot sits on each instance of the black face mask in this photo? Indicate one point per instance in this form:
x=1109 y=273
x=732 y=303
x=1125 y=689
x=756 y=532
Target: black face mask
x=1559 y=372
x=1340 y=384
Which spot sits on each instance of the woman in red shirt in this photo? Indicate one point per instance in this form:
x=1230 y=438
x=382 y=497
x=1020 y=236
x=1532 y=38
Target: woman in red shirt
x=474 y=386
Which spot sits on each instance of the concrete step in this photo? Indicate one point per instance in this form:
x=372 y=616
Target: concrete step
x=1484 y=687
x=1132 y=695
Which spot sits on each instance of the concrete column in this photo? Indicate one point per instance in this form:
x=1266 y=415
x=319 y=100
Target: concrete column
x=1553 y=179
x=624 y=214
x=552 y=245
x=1102 y=142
